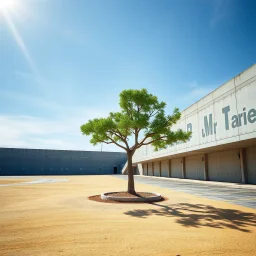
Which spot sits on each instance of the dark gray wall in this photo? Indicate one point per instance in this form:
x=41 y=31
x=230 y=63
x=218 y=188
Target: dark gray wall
x=15 y=161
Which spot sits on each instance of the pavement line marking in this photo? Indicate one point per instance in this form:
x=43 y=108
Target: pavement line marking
x=38 y=181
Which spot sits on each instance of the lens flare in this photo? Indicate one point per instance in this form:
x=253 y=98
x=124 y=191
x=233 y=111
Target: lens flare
x=8 y=4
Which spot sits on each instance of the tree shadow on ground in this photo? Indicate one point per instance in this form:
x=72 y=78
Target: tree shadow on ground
x=200 y=215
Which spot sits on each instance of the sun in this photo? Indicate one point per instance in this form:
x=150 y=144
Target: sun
x=8 y=4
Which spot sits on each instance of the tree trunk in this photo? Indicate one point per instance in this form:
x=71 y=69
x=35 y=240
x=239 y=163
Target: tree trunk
x=131 y=188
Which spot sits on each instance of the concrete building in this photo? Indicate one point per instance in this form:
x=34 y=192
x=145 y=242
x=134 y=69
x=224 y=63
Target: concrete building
x=223 y=142
x=16 y=161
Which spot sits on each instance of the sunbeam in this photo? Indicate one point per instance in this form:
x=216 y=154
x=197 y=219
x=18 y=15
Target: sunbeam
x=8 y=4
x=19 y=40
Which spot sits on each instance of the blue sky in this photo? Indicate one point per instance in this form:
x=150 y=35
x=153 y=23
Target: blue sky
x=63 y=62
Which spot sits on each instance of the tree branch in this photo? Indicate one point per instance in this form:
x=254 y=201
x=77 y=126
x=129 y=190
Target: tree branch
x=117 y=134
x=147 y=143
x=119 y=145
x=106 y=142
x=153 y=114
x=167 y=121
x=124 y=137
x=129 y=113
x=146 y=137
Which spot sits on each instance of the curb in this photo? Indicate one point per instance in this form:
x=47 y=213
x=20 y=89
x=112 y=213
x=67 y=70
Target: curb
x=156 y=198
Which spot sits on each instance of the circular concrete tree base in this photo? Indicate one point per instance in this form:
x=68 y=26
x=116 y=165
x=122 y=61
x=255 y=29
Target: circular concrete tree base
x=125 y=197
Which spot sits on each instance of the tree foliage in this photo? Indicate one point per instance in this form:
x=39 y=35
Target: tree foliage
x=141 y=121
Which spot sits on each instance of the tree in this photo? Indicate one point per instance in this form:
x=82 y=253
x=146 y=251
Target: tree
x=142 y=120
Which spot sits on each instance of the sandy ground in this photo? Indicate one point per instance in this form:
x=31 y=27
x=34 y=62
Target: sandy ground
x=9 y=181
x=58 y=219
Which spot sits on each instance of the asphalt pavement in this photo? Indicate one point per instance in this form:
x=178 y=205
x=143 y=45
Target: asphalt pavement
x=239 y=194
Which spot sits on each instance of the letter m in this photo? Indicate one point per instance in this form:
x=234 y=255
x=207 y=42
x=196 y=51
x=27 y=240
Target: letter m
x=208 y=125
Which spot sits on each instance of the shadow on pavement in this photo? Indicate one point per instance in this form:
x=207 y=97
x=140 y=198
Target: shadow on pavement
x=200 y=215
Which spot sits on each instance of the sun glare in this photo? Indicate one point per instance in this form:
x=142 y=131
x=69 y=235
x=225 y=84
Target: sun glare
x=8 y=4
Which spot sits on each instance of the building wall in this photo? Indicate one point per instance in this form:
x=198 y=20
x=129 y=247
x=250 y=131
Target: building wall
x=194 y=167
x=251 y=164
x=227 y=115
x=144 y=167
x=15 y=161
x=176 y=168
x=224 y=166
x=157 y=169
x=150 y=169
x=165 y=168
x=222 y=123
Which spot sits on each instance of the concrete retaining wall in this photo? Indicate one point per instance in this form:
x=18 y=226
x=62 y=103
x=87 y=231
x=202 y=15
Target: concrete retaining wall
x=14 y=161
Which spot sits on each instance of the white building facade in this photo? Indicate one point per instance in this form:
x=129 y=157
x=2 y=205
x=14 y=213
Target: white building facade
x=223 y=142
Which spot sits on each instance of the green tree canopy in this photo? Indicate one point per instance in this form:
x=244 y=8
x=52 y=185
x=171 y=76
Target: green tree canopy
x=141 y=121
